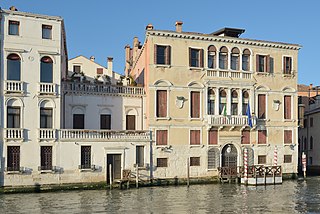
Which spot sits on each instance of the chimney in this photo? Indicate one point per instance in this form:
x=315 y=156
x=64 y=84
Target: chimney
x=135 y=48
x=127 y=59
x=92 y=58
x=310 y=86
x=179 y=26
x=149 y=27
x=110 y=65
x=13 y=8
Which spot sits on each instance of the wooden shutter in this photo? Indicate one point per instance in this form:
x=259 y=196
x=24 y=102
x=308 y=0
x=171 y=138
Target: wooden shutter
x=261 y=106
x=287 y=136
x=201 y=58
x=257 y=63
x=99 y=70
x=130 y=122
x=155 y=54
x=245 y=137
x=195 y=104
x=267 y=65
x=168 y=55
x=190 y=50
x=194 y=137
x=287 y=107
x=213 y=137
x=162 y=137
x=78 y=121
x=290 y=65
x=161 y=103
x=262 y=136
x=105 y=121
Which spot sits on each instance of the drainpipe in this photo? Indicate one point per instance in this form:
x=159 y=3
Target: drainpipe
x=151 y=157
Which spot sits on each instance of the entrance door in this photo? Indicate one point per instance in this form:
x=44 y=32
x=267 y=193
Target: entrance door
x=229 y=156
x=115 y=161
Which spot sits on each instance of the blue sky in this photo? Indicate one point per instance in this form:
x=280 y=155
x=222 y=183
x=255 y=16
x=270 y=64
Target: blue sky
x=102 y=28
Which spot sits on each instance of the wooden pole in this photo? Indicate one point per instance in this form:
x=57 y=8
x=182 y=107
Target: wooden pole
x=188 y=173
x=110 y=176
x=137 y=176
x=304 y=165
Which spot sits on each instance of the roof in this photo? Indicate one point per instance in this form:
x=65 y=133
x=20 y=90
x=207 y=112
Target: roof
x=27 y=14
x=232 y=32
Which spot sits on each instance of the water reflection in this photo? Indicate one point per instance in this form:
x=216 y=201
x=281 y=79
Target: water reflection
x=290 y=197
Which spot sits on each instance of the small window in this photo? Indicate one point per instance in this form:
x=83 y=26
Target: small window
x=76 y=68
x=46 y=158
x=245 y=138
x=246 y=60
x=105 y=121
x=13 y=158
x=235 y=54
x=287 y=159
x=223 y=58
x=14 y=28
x=287 y=136
x=287 y=65
x=213 y=137
x=78 y=121
x=212 y=57
x=194 y=137
x=140 y=156
x=195 y=104
x=262 y=136
x=99 y=71
x=194 y=161
x=311 y=121
x=263 y=63
x=13 y=117
x=195 y=57
x=161 y=109
x=46 y=32
x=162 y=55
x=262 y=159
x=130 y=122
x=85 y=157
x=162 y=137
x=46 y=118
x=162 y=162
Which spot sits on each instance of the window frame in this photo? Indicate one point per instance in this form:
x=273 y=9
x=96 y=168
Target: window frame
x=12 y=58
x=194 y=161
x=195 y=113
x=44 y=28
x=158 y=137
x=287 y=115
x=13 y=159
x=73 y=121
x=140 y=159
x=44 y=69
x=107 y=125
x=166 y=55
x=16 y=24
x=46 y=158
x=284 y=65
x=85 y=162
x=262 y=159
x=198 y=59
x=265 y=132
x=13 y=115
x=46 y=116
x=197 y=138
x=162 y=161
x=287 y=132
x=266 y=63
x=160 y=102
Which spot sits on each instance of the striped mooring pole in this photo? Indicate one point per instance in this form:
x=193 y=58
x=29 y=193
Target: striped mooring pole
x=245 y=158
x=275 y=156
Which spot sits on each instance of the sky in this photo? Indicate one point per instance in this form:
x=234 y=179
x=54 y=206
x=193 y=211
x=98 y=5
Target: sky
x=102 y=28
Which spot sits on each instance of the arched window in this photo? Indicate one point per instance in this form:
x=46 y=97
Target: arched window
x=211 y=101
x=212 y=57
x=223 y=102
x=13 y=67
x=223 y=58
x=235 y=59
x=246 y=60
x=46 y=115
x=14 y=113
x=245 y=101
x=234 y=102
x=46 y=69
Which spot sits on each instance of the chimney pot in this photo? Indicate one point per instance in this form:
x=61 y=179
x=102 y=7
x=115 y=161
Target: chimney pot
x=13 y=8
x=92 y=58
x=110 y=64
x=149 y=27
x=179 y=26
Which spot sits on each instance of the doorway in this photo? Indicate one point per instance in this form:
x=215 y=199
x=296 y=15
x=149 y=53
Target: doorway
x=115 y=161
x=229 y=156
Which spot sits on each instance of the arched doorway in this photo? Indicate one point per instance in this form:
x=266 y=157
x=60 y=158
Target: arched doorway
x=229 y=156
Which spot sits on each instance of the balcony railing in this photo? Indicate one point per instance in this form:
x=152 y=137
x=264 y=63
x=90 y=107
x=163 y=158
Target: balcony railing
x=12 y=86
x=229 y=120
x=76 y=87
x=229 y=74
x=47 y=134
x=13 y=133
x=47 y=88
x=103 y=135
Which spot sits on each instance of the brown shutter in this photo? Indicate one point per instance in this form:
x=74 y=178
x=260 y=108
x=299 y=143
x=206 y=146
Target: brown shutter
x=213 y=137
x=287 y=107
x=194 y=137
x=99 y=70
x=284 y=65
x=161 y=103
x=262 y=137
x=162 y=136
x=198 y=137
x=190 y=57
x=201 y=57
x=287 y=136
x=168 y=55
x=245 y=137
x=195 y=104
x=267 y=66
x=261 y=106
x=257 y=63
x=290 y=65
x=155 y=54
x=130 y=122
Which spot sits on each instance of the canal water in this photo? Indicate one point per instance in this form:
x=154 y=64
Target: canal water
x=290 y=197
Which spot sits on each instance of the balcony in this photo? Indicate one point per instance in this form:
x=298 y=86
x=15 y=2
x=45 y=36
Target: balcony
x=12 y=86
x=47 y=134
x=230 y=120
x=47 y=89
x=229 y=74
x=103 y=135
x=13 y=133
x=77 y=87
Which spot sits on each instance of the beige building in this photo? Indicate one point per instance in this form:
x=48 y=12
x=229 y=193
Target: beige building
x=198 y=90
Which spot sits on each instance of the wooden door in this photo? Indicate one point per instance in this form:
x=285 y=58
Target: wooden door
x=229 y=156
x=115 y=161
x=130 y=122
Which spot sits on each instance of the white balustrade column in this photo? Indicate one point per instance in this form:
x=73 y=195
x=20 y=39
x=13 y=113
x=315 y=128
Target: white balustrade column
x=228 y=105
x=216 y=102
x=240 y=101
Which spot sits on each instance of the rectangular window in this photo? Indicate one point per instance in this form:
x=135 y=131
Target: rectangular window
x=287 y=159
x=78 y=121
x=130 y=122
x=223 y=60
x=13 y=117
x=76 y=68
x=245 y=139
x=287 y=65
x=194 y=137
x=13 y=158
x=14 y=27
x=235 y=61
x=245 y=62
x=311 y=121
x=162 y=137
x=162 y=55
x=262 y=136
x=195 y=104
x=85 y=157
x=105 y=121
x=287 y=138
x=161 y=110
x=162 y=162
x=213 y=137
x=46 y=118
x=261 y=106
x=194 y=161
x=287 y=107
x=46 y=32
x=263 y=63
x=211 y=59
x=262 y=159
x=140 y=156
x=46 y=158
x=195 y=57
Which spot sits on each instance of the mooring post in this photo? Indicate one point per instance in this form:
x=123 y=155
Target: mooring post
x=304 y=165
x=188 y=172
x=137 y=176
x=110 y=176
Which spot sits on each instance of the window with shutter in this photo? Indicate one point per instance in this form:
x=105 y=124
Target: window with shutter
x=78 y=121
x=130 y=122
x=105 y=121
x=195 y=104
x=287 y=65
x=194 y=137
x=213 y=137
x=262 y=106
x=263 y=63
x=196 y=57
x=245 y=139
x=162 y=55
x=287 y=107
x=161 y=110
x=262 y=136
x=13 y=158
x=287 y=136
x=85 y=157
x=162 y=137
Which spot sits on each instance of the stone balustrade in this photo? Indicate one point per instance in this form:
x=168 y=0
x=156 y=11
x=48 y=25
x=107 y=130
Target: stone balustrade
x=229 y=74
x=12 y=86
x=47 y=88
x=230 y=120
x=47 y=134
x=13 y=133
